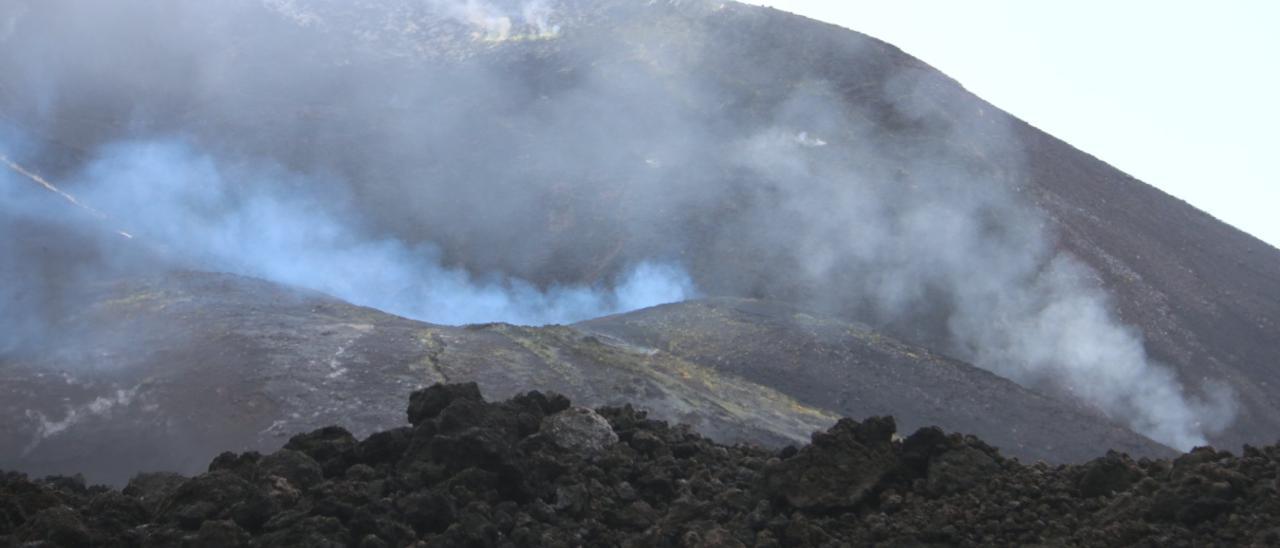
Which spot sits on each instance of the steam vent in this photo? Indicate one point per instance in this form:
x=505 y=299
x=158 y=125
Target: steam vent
x=593 y=273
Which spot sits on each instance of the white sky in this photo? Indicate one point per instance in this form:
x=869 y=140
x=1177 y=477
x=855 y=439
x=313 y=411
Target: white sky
x=1180 y=94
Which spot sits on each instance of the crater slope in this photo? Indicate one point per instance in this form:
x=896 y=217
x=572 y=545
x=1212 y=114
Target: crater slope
x=217 y=362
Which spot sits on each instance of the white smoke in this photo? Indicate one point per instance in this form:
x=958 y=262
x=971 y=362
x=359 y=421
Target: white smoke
x=538 y=14
x=487 y=190
x=295 y=10
x=916 y=233
x=493 y=23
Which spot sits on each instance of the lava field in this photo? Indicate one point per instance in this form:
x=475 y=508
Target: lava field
x=535 y=471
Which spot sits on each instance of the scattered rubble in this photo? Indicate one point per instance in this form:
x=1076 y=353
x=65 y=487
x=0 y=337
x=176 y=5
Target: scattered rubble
x=534 y=471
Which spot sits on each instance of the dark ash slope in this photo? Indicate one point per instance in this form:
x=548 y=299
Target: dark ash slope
x=162 y=373
x=854 y=371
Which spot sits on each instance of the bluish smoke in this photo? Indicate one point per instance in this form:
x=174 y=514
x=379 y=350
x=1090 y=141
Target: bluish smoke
x=279 y=226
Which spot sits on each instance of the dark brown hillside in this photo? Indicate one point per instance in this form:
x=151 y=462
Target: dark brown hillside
x=1205 y=294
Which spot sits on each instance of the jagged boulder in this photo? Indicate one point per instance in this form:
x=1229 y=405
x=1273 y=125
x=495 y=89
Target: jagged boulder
x=1111 y=474
x=298 y=468
x=217 y=495
x=152 y=488
x=840 y=469
x=427 y=404
x=580 y=430
x=332 y=447
x=60 y=525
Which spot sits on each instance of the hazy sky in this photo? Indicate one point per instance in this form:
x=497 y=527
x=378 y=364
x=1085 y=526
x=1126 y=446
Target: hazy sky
x=1181 y=94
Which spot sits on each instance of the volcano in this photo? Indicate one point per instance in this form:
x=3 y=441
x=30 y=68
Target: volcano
x=263 y=217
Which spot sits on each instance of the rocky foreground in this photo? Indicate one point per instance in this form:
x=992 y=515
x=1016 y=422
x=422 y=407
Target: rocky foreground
x=534 y=471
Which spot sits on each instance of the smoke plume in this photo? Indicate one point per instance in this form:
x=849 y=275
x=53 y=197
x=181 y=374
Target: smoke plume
x=416 y=157
x=182 y=207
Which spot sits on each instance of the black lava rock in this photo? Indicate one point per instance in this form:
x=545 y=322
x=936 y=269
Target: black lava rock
x=531 y=471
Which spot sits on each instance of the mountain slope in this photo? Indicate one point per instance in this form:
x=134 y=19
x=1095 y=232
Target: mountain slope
x=548 y=153
x=855 y=372
x=169 y=371
x=1205 y=294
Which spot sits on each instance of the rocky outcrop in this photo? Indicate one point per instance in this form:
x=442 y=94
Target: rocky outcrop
x=534 y=471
